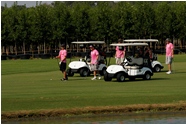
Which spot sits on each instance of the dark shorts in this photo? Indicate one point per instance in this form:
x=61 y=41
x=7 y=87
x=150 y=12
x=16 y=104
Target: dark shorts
x=63 y=66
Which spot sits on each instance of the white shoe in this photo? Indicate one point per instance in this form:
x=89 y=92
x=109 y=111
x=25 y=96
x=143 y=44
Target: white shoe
x=94 y=78
x=99 y=77
x=169 y=72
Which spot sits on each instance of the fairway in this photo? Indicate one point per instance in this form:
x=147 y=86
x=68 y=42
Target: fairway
x=35 y=85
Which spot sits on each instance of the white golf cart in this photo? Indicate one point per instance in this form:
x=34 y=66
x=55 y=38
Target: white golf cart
x=132 y=67
x=156 y=65
x=82 y=66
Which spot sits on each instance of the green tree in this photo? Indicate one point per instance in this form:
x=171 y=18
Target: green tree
x=143 y=20
x=81 y=20
x=6 y=28
x=102 y=22
x=122 y=20
x=42 y=26
x=179 y=19
x=61 y=24
x=37 y=28
x=163 y=19
x=10 y=27
x=24 y=29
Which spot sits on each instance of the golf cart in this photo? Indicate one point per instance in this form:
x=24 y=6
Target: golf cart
x=156 y=65
x=82 y=66
x=132 y=67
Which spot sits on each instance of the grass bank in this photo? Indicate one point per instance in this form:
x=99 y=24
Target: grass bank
x=32 y=88
x=104 y=110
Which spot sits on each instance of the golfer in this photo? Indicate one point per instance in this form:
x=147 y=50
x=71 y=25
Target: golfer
x=169 y=54
x=94 y=61
x=62 y=56
x=120 y=53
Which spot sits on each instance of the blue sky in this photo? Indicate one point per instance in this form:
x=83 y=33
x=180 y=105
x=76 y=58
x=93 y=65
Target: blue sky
x=28 y=3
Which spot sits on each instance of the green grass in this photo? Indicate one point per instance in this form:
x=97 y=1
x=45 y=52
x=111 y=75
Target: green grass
x=26 y=85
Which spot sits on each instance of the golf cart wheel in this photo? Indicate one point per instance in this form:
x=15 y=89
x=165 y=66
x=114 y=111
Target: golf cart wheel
x=69 y=72
x=120 y=77
x=106 y=77
x=147 y=76
x=157 y=68
x=103 y=71
x=84 y=72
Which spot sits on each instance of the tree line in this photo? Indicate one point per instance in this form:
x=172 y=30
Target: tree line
x=45 y=26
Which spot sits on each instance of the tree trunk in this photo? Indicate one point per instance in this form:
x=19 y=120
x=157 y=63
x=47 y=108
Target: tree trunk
x=31 y=48
x=7 y=49
x=24 y=52
x=15 y=48
x=44 y=48
x=38 y=49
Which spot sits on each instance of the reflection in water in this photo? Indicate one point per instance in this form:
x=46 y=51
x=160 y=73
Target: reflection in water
x=158 y=118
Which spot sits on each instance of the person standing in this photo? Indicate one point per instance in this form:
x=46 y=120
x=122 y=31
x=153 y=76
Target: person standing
x=94 y=61
x=120 y=53
x=62 y=56
x=169 y=54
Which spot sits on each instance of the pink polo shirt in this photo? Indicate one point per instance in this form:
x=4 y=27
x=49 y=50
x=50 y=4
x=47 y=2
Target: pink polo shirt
x=63 y=54
x=119 y=53
x=169 y=48
x=94 y=55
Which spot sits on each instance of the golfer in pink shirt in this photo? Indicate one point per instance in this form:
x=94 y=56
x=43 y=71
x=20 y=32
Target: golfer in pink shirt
x=120 y=53
x=94 y=60
x=62 y=56
x=169 y=55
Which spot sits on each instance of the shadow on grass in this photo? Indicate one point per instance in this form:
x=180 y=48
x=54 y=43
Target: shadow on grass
x=139 y=80
x=160 y=78
x=79 y=78
x=128 y=81
x=175 y=72
x=161 y=71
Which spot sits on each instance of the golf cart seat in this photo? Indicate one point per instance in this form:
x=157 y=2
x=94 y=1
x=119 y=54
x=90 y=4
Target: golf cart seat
x=132 y=67
x=101 y=60
x=88 y=60
x=134 y=63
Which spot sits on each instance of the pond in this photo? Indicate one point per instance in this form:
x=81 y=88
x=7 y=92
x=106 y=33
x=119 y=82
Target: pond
x=145 y=118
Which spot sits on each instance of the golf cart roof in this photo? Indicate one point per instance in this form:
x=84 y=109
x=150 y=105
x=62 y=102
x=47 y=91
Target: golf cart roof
x=141 y=40
x=129 y=44
x=88 y=42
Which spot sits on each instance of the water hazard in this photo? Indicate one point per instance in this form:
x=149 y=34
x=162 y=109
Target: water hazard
x=147 y=118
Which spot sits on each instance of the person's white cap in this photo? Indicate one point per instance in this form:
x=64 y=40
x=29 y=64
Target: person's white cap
x=168 y=39
x=91 y=46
